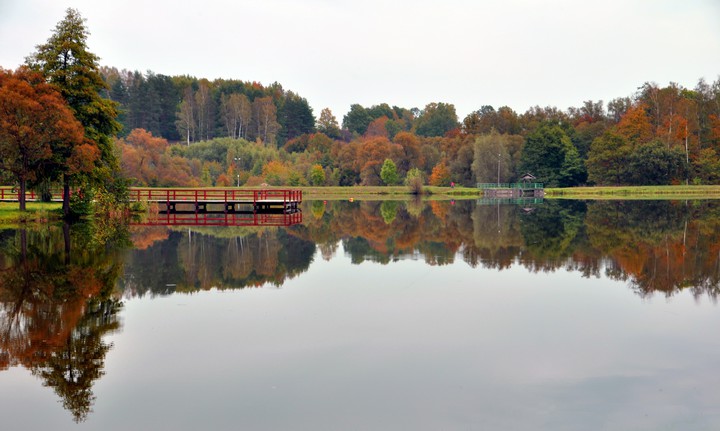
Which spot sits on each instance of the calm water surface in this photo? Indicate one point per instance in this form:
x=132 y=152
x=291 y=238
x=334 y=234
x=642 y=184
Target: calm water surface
x=374 y=315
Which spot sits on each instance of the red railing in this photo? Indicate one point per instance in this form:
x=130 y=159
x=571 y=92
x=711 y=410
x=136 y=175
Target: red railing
x=216 y=195
x=12 y=194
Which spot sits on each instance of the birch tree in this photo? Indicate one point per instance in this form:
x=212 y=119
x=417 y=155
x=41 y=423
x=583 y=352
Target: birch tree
x=265 y=119
x=186 y=116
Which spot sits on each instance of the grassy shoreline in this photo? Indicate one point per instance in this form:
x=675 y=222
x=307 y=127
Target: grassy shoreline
x=635 y=192
x=386 y=192
x=36 y=212
x=594 y=192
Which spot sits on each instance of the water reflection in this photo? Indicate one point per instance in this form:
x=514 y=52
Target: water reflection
x=56 y=305
x=60 y=287
x=655 y=246
x=248 y=218
x=167 y=260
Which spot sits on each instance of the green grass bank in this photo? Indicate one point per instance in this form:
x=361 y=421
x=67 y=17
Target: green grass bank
x=636 y=192
x=36 y=212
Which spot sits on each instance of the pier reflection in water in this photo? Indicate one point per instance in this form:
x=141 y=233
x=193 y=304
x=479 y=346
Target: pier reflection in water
x=545 y=315
x=220 y=219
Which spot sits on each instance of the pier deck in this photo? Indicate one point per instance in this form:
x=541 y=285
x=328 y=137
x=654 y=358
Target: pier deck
x=200 y=201
x=197 y=201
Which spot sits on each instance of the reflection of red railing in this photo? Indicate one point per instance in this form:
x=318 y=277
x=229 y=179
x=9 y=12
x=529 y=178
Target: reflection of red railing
x=257 y=219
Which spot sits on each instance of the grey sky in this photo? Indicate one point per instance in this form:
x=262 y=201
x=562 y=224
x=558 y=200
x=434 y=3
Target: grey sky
x=518 y=53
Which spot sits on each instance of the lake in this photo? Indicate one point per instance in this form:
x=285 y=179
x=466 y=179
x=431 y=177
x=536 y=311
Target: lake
x=428 y=315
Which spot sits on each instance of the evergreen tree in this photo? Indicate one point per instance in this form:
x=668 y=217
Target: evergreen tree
x=67 y=64
x=357 y=120
x=168 y=98
x=295 y=117
x=552 y=158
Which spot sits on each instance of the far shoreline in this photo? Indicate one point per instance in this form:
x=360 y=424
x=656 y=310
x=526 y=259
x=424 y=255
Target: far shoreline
x=10 y=215
x=679 y=192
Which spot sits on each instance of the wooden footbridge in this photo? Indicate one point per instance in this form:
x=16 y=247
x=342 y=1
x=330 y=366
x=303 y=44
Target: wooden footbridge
x=196 y=201
x=220 y=201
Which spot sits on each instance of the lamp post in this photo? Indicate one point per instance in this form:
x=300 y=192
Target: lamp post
x=498 y=173
x=237 y=162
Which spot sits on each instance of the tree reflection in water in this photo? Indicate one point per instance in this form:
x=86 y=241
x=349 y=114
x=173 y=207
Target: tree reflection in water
x=56 y=305
x=57 y=284
x=656 y=246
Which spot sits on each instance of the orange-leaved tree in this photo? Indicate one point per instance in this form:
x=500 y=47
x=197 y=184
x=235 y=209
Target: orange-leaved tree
x=275 y=172
x=635 y=126
x=440 y=175
x=140 y=156
x=35 y=121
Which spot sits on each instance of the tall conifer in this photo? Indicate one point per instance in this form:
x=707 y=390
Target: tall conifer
x=67 y=64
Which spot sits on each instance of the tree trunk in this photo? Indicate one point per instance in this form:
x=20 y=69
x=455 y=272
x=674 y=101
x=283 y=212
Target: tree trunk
x=66 y=196
x=66 y=238
x=687 y=156
x=23 y=245
x=21 y=194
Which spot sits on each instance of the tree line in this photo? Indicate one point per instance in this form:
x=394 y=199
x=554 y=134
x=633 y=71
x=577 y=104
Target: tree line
x=187 y=109
x=660 y=135
x=159 y=130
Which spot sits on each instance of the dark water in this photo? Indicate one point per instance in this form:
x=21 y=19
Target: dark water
x=562 y=315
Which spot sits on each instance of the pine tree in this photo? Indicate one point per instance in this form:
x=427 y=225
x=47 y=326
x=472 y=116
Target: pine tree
x=67 y=64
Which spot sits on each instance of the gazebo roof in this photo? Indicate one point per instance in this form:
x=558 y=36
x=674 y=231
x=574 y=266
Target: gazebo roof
x=527 y=177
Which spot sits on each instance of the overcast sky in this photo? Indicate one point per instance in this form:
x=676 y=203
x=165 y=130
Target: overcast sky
x=335 y=53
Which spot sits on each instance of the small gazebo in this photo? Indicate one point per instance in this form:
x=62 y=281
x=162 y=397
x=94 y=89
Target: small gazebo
x=528 y=178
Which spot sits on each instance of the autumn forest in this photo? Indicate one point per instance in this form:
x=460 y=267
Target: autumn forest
x=183 y=131
x=69 y=121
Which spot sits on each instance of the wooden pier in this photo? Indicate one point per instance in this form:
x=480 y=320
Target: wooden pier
x=220 y=201
x=196 y=201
